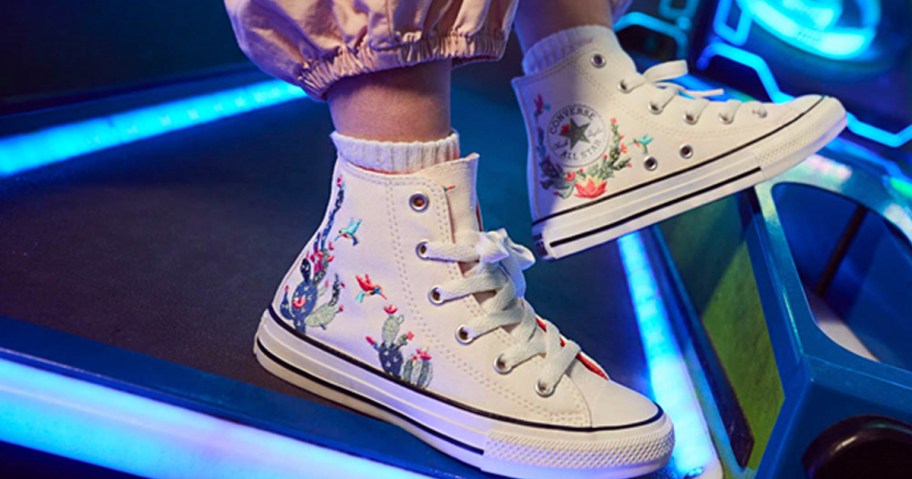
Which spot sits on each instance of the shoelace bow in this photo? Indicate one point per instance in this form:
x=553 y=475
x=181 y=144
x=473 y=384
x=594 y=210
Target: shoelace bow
x=499 y=269
x=659 y=76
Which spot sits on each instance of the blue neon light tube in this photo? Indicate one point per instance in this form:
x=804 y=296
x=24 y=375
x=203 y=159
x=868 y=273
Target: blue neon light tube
x=113 y=429
x=694 y=453
x=34 y=149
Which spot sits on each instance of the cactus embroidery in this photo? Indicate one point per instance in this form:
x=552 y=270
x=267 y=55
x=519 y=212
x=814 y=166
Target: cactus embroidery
x=417 y=370
x=302 y=309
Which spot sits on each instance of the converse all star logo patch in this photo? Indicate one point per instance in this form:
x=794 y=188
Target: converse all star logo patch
x=577 y=135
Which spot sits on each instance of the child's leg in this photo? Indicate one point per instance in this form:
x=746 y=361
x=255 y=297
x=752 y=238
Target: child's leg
x=612 y=150
x=537 y=19
x=403 y=104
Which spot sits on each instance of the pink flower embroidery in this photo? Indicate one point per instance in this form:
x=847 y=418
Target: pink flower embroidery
x=390 y=309
x=570 y=176
x=590 y=189
x=370 y=340
x=410 y=336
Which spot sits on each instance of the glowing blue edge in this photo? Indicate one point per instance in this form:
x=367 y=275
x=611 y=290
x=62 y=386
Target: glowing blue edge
x=837 y=44
x=768 y=80
x=113 y=429
x=30 y=150
x=668 y=373
x=668 y=11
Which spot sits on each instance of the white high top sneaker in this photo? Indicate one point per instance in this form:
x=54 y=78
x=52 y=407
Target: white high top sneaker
x=377 y=314
x=612 y=150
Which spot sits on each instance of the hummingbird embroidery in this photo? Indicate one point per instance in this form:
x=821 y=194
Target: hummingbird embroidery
x=349 y=231
x=643 y=143
x=368 y=288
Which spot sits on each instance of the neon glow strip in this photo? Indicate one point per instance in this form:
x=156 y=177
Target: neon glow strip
x=31 y=150
x=113 y=429
x=833 y=42
x=759 y=65
x=694 y=452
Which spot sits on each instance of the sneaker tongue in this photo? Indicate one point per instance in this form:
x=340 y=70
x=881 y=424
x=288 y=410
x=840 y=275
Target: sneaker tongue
x=457 y=179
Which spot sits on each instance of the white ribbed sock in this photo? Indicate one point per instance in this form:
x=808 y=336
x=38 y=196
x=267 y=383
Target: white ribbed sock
x=395 y=157
x=556 y=47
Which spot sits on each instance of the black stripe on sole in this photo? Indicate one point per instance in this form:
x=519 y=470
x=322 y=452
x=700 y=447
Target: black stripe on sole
x=465 y=407
x=363 y=399
x=653 y=209
x=680 y=172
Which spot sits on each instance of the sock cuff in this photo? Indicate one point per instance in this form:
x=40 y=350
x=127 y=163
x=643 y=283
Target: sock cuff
x=557 y=46
x=396 y=157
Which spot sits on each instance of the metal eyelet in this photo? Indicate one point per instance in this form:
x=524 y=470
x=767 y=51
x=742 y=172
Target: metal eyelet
x=500 y=366
x=419 y=202
x=650 y=163
x=686 y=151
x=463 y=335
x=690 y=119
x=655 y=109
x=725 y=120
x=543 y=390
x=421 y=250
x=598 y=61
x=622 y=87
x=434 y=296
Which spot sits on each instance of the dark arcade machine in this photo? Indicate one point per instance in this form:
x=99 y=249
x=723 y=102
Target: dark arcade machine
x=773 y=326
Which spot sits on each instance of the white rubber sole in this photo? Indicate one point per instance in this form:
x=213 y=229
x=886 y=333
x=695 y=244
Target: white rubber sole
x=495 y=444
x=607 y=218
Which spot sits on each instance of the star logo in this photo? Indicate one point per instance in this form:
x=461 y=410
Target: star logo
x=576 y=136
x=575 y=133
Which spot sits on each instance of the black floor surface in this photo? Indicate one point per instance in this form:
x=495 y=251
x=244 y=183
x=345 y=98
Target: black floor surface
x=173 y=246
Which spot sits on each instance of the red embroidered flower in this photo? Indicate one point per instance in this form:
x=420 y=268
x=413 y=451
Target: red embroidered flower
x=623 y=148
x=370 y=340
x=339 y=181
x=410 y=336
x=423 y=354
x=299 y=302
x=539 y=104
x=614 y=121
x=341 y=308
x=390 y=309
x=590 y=189
x=570 y=176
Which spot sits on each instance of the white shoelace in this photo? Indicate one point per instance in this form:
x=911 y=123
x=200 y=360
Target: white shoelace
x=659 y=76
x=499 y=269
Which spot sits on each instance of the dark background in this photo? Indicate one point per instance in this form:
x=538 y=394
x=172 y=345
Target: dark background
x=78 y=49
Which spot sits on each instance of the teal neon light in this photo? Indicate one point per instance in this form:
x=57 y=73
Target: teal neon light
x=120 y=431
x=768 y=80
x=32 y=150
x=812 y=26
x=668 y=376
